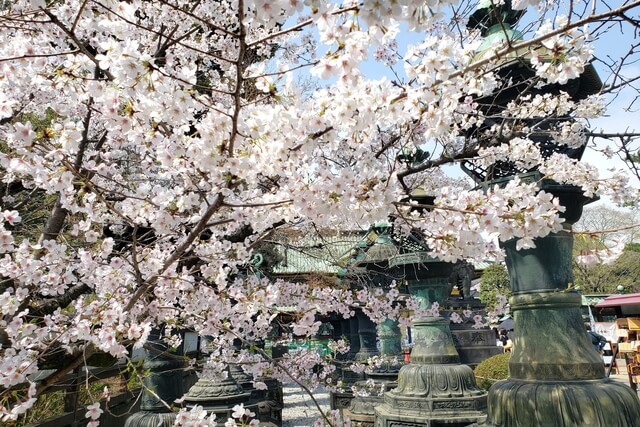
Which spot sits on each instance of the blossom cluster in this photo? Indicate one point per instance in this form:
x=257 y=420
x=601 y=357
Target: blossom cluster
x=601 y=256
x=476 y=215
x=198 y=417
x=561 y=57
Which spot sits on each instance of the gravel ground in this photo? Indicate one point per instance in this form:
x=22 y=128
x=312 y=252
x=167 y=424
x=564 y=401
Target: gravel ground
x=299 y=410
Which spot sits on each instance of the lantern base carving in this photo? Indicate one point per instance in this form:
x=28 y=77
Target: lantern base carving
x=433 y=395
x=521 y=403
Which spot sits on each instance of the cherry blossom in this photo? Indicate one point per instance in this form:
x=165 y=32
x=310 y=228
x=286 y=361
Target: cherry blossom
x=93 y=411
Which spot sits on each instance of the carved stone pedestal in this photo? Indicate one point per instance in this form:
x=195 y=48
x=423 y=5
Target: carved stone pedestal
x=219 y=397
x=342 y=399
x=434 y=389
x=361 y=410
x=473 y=345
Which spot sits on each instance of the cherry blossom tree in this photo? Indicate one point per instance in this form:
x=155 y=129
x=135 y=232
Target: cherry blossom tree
x=168 y=139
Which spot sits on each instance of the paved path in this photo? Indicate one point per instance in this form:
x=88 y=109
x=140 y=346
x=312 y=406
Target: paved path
x=299 y=410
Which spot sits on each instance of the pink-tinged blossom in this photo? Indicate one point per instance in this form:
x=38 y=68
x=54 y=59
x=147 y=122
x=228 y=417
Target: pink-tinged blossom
x=194 y=417
x=455 y=318
x=239 y=412
x=12 y=217
x=23 y=133
x=93 y=411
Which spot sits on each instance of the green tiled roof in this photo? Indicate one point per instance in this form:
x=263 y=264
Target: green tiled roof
x=317 y=254
x=333 y=252
x=592 y=299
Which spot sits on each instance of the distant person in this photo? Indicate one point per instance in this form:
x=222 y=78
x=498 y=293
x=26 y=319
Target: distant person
x=597 y=340
x=502 y=337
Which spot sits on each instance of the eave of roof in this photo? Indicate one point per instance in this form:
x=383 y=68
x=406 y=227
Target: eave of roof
x=619 y=300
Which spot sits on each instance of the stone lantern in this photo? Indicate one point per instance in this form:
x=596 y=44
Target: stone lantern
x=556 y=378
x=434 y=388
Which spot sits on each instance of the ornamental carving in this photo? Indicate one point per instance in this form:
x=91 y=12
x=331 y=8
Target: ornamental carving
x=412 y=404
x=454 y=404
x=477 y=338
x=343 y=403
x=437 y=381
x=207 y=389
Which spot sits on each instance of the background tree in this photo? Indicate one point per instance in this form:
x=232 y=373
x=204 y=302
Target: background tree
x=605 y=240
x=604 y=224
x=605 y=278
x=493 y=282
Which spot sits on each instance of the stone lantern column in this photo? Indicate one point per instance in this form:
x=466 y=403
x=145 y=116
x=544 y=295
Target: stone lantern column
x=162 y=386
x=367 y=336
x=556 y=378
x=434 y=389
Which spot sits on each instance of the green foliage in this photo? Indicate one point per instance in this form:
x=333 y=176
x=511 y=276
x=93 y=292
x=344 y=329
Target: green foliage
x=494 y=281
x=605 y=278
x=53 y=404
x=493 y=369
x=41 y=123
x=34 y=206
x=632 y=247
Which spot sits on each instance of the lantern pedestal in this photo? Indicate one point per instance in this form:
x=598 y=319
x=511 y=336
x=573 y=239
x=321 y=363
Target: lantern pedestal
x=219 y=396
x=162 y=386
x=361 y=410
x=434 y=389
x=556 y=377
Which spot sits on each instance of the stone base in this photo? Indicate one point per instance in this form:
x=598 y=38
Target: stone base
x=346 y=378
x=593 y=403
x=219 y=397
x=223 y=413
x=151 y=419
x=474 y=345
x=340 y=401
x=404 y=411
x=270 y=401
x=362 y=411
x=433 y=395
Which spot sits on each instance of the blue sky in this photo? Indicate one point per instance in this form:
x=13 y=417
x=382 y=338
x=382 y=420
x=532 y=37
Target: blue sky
x=613 y=43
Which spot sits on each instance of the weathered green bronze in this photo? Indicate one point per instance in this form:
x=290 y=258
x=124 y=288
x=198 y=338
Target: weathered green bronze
x=218 y=396
x=434 y=389
x=162 y=386
x=556 y=378
x=347 y=378
x=367 y=336
x=361 y=410
x=389 y=336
